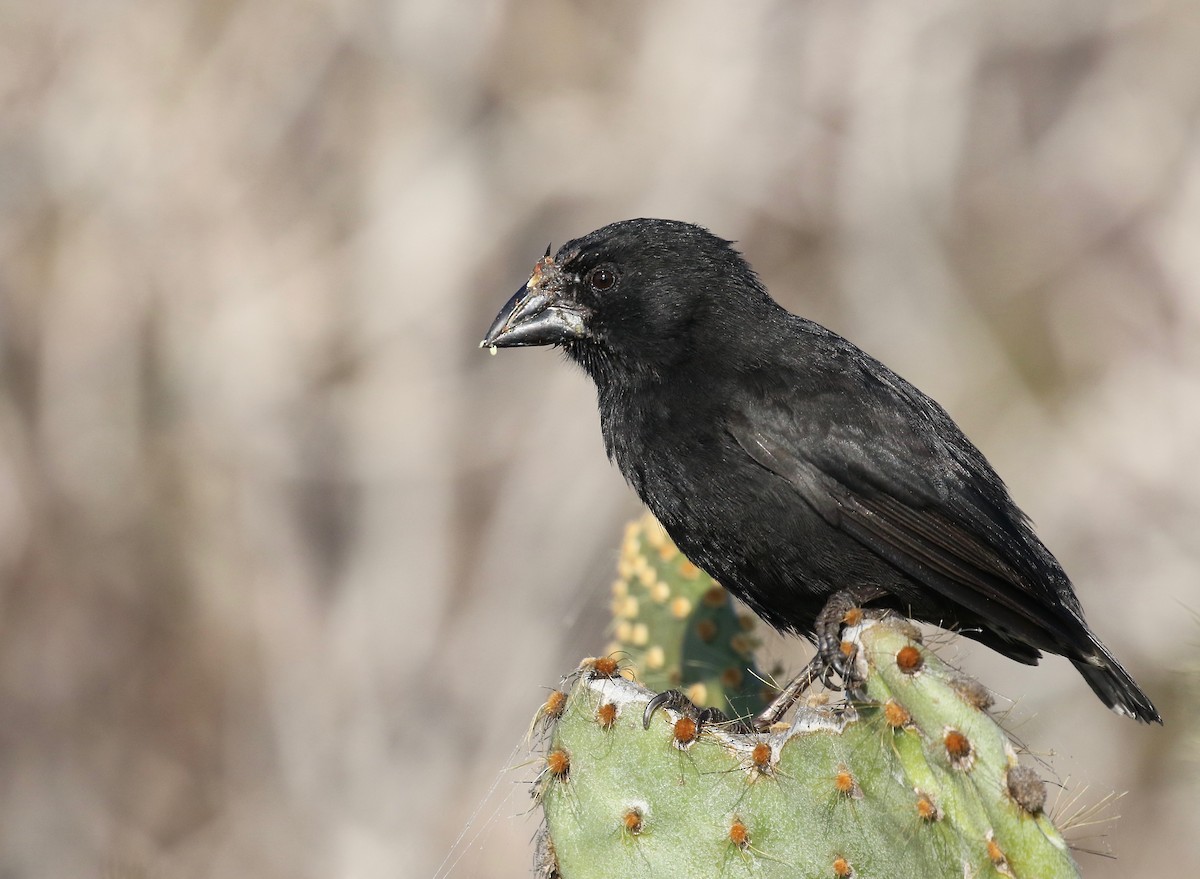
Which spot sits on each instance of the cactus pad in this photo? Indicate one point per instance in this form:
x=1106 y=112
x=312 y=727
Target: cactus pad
x=912 y=779
x=676 y=628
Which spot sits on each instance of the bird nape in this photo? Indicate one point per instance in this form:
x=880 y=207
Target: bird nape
x=804 y=475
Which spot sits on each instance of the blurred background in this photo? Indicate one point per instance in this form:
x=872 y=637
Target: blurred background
x=286 y=564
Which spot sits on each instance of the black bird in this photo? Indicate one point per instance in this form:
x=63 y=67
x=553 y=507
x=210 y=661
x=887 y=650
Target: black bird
x=800 y=472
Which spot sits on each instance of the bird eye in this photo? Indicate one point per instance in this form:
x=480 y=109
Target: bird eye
x=602 y=279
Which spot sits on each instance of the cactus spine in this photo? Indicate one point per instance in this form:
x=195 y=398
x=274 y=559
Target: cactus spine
x=675 y=628
x=912 y=778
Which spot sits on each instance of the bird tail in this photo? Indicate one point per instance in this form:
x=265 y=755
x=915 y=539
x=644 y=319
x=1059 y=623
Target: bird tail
x=1115 y=687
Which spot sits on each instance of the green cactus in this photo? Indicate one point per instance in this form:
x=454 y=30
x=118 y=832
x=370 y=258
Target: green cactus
x=913 y=778
x=676 y=628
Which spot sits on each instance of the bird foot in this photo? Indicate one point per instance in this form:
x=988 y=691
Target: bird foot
x=677 y=701
x=834 y=656
x=844 y=608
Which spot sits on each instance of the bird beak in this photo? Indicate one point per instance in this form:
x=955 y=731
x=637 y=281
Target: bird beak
x=537 y=314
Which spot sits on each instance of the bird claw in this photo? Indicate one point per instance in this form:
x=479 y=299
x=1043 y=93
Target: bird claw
x=838 y=658
x=843 y=608
x=677 y=701
x=673 y=699
x=827 y=677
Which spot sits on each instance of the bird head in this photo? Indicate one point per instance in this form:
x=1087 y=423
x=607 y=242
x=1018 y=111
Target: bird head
x=634 y=296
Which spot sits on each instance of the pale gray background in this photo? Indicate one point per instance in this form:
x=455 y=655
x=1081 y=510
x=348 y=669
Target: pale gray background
x=286 y=562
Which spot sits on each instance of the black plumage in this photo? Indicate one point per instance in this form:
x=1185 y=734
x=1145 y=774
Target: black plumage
x=785 y=461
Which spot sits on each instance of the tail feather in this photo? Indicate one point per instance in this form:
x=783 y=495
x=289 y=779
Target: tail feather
x=1115 y=687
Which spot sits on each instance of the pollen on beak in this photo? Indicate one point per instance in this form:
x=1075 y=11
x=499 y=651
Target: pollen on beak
x=537 y=314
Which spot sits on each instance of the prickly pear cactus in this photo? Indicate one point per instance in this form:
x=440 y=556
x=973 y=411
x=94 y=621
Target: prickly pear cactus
x=676 y=628
x=911 y=779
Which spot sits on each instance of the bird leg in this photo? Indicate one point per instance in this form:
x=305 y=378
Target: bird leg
x=787 y=697
x=830 y=659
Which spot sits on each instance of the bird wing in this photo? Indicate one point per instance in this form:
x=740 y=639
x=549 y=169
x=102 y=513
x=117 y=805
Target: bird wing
x=880 y=468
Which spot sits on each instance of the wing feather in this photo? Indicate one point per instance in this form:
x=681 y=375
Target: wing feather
x=899 y=498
